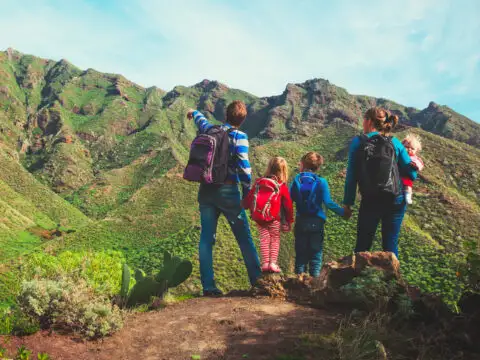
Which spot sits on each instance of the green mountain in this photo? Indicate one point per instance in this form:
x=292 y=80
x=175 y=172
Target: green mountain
x=29 y=208
x=443 y=121
x=102 y=157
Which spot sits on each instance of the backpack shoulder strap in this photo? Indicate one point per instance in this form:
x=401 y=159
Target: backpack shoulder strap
x=307 y=174
x=274 y=182
x=313 y=193
x=363 y=138
x=296 y=180
x=229 y=131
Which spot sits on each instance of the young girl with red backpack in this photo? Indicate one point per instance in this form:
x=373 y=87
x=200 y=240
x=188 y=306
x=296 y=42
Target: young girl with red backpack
x=271 y=208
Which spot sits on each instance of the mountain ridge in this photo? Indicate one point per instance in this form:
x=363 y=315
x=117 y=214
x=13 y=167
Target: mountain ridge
x=423 y=118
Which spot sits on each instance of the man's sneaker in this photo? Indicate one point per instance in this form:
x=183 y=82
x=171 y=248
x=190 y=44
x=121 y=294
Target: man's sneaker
x=275 y=268
x=266 y=267
x=213 y=293
x=408 y=198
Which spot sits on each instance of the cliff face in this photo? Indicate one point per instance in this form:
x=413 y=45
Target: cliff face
x=443 y=121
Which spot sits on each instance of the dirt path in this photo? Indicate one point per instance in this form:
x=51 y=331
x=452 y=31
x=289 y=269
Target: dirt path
x=222 y=328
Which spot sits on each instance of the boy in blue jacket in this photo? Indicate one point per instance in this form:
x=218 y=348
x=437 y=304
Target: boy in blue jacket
x=310 y=192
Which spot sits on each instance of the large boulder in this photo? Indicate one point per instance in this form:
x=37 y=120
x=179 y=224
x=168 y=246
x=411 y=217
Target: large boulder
x=364 y=281
x=336 y=274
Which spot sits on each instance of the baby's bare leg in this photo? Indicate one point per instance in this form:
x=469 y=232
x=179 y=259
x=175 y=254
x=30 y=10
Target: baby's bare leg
x=409 y=195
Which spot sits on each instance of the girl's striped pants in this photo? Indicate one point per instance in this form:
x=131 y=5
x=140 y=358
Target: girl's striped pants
x=269 y=241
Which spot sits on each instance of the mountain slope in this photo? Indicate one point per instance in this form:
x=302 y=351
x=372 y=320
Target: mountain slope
x=445 y=122
x=27 y=208
x=72 y=124
x=115 y=151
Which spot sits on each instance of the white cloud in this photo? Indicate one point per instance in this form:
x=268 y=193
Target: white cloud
x=76 y=31
x=441 y=66
x=411 y=51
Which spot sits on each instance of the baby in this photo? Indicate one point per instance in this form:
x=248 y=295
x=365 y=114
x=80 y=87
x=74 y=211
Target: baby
x=413 y=145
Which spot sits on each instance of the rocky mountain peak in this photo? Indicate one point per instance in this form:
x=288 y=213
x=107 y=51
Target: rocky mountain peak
x=211 y=85
x=13 y=54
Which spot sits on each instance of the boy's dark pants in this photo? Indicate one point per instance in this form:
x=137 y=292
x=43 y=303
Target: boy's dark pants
x=309 y=235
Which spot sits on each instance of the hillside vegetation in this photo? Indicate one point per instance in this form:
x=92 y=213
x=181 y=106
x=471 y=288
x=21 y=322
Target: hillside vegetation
x=96 y=161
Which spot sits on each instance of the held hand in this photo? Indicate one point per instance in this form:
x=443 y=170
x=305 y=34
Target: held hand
x=190 y=114
x=347 y=212
x=244 y=204
x=414 y=165
x=286 y=227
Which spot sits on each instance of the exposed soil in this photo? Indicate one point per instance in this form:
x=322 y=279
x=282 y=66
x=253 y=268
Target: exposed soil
x=221 y=328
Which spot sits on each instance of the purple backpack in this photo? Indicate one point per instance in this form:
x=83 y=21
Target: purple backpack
x=209 y=155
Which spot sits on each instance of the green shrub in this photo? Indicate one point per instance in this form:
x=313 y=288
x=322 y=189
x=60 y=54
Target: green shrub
x=6 y=322
x=69 y=305
x=23 y=353
x=37 y=132
x=371 y=288
x=14 y=321
x=470 y=272
x=101 y=270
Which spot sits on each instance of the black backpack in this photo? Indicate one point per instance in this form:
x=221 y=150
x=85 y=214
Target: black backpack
x=209 y=156
x=377 y=168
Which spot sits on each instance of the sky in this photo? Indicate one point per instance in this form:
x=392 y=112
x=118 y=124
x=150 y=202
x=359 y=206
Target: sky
x=409 y=51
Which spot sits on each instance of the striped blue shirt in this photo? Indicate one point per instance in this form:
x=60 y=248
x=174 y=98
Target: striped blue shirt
x=239 y=170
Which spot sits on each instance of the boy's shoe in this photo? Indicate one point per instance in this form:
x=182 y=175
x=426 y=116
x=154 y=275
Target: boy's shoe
x=275 y=268
x=266 y=267
x=408 y=198
x=213 y=293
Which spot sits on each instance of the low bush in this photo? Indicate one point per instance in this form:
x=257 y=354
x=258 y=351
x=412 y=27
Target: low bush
x=470 y=272
x=23 y=354
x=372 y=291
x=14 y=322
x=101 y=270
x=370 y=287
x=6 y=322
x=69 y=305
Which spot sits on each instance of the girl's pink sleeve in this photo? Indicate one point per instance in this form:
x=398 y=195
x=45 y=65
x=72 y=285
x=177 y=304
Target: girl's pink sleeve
x=287 y=203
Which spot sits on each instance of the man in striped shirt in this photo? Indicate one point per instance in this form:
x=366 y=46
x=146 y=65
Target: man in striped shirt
x=225 y=199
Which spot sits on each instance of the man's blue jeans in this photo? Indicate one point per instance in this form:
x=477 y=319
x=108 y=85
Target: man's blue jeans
x=216 y=200
x=369 y=215
x=309 y=245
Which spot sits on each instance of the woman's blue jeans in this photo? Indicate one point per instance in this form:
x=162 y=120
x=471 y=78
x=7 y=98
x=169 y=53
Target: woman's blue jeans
x=370 y=214
x=226 y=200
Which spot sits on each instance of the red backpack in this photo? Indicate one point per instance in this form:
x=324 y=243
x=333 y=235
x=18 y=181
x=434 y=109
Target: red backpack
x=265 y=204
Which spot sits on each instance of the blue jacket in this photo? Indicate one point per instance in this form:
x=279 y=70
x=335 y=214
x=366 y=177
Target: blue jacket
x=351 y=182
x=322 y=198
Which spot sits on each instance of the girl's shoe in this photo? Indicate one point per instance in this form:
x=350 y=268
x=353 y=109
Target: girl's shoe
x=266 y=267
x=275 y=268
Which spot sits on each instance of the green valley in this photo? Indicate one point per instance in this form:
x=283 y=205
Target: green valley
x=91 y=162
